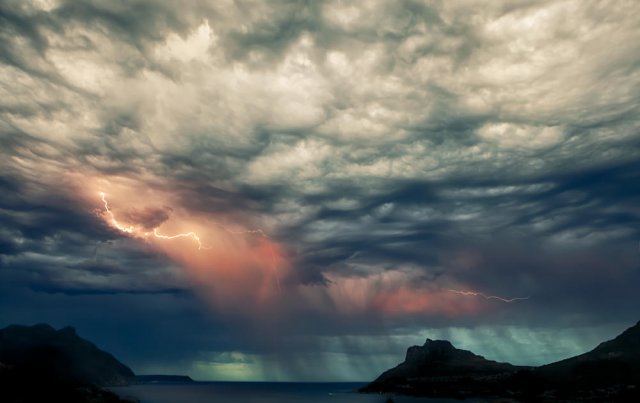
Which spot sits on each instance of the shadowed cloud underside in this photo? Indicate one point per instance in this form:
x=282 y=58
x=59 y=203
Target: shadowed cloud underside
x=276 y=188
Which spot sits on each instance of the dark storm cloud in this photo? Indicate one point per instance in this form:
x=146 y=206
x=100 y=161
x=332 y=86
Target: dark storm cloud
x=38 y=213
x=497 y=152
x=51 y=243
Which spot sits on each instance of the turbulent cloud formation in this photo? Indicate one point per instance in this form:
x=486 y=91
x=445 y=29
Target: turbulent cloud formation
x=342 y=174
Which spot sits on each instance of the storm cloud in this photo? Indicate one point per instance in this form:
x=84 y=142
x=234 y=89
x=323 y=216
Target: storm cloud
x=385 y=153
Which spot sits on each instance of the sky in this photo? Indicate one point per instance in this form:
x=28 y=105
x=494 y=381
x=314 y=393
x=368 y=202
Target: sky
x=300 y=190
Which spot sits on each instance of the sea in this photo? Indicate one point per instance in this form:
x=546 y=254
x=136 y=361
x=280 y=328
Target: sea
x=260 y=392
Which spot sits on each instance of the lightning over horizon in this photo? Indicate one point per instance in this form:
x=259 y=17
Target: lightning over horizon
x=298 y=190
x=485 y=296
x=131 y=229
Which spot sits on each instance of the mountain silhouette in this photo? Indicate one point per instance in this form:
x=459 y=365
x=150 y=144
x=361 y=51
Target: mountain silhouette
x=620 y=357
x=613 y=366
x=61 y=353
x=39 y=363
x=608 y=373
x=437 y=368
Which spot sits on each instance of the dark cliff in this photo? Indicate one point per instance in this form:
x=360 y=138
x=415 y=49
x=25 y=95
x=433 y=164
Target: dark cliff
x=61 y=354
x=612 y=364
x=437 y=368
x=610 y=372
x=39 y=364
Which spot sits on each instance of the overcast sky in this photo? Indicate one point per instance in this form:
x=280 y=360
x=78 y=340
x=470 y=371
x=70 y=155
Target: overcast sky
x=300 y=190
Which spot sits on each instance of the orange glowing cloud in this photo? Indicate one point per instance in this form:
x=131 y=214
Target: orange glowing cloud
x=392 y=293
x=240 y=270
x=231 y=266
x=406 y=300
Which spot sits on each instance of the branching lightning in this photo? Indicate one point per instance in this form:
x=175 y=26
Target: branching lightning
x=485 y=296
x=132 y=230
x=115 y=222
x=191 y=235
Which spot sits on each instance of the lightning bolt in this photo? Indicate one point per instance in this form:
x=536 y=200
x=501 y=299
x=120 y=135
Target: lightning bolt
x=191 y=235
x=194 y=236
x=485 y=296
x=132 y=230
x=128 y=230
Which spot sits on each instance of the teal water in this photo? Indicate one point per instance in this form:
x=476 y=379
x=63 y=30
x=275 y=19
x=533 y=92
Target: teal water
x=259 y=392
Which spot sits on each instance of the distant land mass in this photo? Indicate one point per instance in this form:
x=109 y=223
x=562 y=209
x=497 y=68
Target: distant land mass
x=142 y=379
x=41 y=364
x=608 y=373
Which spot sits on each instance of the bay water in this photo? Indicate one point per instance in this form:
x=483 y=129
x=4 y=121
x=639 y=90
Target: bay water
x=259 y=392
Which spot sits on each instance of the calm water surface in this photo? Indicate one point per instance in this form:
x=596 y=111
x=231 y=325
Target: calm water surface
x=258 y=392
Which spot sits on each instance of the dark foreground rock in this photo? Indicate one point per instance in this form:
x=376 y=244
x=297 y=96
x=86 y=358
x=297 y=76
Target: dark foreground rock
x=15 y=387
x=61 y=354
x=438 y=369
x=40 y=364
x=608 y=373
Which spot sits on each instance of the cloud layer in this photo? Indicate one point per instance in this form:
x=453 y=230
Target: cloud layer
x=344 y=166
